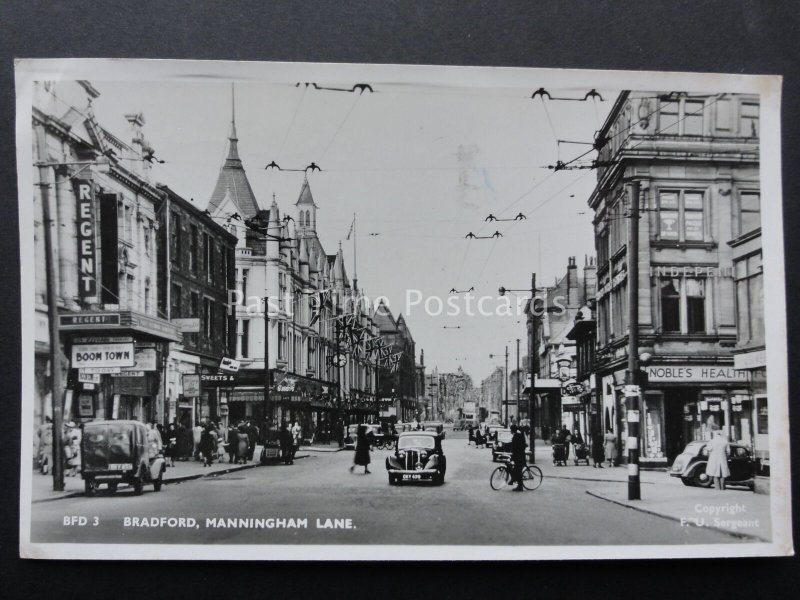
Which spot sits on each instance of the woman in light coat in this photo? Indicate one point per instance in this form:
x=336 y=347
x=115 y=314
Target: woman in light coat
x=717 y=466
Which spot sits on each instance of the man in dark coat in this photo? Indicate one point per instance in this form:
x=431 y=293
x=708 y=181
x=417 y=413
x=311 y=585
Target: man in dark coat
x=286 y=443
x=207 y=446
x=232 y=442
x=252 y=438
x=361 y=457
x=518 y=457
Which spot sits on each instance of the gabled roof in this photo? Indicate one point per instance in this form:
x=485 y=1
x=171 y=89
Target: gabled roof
x=384 y=319
x=232 y=182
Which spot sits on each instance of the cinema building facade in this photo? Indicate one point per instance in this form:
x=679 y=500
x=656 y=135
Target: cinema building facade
x=696 y=160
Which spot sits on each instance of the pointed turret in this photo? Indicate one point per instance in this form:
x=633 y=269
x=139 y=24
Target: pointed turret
x=306 y=209
x=232 y=183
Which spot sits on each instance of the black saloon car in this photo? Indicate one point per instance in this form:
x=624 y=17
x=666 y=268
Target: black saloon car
x=417 y=457
x=690 y=466
x=501 y=447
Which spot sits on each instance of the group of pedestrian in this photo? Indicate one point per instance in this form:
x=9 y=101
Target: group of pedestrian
x=71 y=447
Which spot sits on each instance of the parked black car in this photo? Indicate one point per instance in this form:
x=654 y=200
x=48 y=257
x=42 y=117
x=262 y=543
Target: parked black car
x=417 y=457
x=690 y=466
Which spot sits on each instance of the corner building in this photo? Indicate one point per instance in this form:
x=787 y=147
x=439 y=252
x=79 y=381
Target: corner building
x=696 y=159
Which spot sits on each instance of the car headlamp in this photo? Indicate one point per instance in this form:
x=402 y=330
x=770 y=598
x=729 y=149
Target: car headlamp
x=401 y=454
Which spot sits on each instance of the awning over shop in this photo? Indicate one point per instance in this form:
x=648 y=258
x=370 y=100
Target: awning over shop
x=542 y=385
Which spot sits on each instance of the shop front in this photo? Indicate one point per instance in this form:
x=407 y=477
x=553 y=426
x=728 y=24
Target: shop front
x=115 y=365
x=309 y=402
x=685 y=403
x=753 y=408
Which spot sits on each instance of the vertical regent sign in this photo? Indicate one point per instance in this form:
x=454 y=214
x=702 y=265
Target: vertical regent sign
x=87 y=255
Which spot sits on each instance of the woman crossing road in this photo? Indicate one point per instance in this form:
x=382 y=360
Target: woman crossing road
x=361 y=457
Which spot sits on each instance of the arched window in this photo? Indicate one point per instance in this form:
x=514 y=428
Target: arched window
x=302 y=220
x=308 y=218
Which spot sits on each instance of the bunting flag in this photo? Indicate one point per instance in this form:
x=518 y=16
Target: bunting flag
x=353 y=224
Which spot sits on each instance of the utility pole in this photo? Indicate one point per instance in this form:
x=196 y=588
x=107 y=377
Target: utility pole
x=56 y=387
x=632 y=390
x=516 y=378
x=340 y=434
x=532 y=367
x=505 y=400
x=267 y=416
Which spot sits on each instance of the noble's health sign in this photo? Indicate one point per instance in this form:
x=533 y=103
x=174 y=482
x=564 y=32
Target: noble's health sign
x=102 y=355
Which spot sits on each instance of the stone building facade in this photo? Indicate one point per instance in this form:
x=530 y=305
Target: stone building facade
x=695 y=157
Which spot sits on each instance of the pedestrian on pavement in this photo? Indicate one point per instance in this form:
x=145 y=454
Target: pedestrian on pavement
x=297 y=435
x=611 y=447
x=286 y=442
x=565 y=437
x=717 y=466
x=361 y=457
x=242 y=444
x=72 y=449
x=470 y=434
x=207 y=446
x=252 y=439
x=197 y=432
x=232 y=441
x=153 y=439
x=45 y=435
x=171 y=443
x=597 y=449
x=518 y=457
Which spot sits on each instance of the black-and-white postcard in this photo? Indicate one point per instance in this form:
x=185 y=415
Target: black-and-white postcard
x=308 y=311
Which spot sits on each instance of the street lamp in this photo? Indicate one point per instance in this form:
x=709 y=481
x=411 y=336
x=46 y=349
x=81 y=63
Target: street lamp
x=505 y=401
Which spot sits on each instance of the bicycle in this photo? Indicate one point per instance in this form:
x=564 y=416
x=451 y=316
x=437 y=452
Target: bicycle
x=531 y=476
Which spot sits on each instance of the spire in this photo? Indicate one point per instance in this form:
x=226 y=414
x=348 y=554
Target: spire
x=305 y=194
x=232 y=136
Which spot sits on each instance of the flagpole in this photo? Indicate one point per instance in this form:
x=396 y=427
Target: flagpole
x=355 y=264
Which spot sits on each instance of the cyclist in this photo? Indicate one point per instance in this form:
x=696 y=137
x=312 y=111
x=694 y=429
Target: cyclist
x=518 y=457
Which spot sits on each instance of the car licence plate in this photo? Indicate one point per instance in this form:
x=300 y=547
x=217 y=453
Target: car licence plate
x=411 y=476
x=118 y=467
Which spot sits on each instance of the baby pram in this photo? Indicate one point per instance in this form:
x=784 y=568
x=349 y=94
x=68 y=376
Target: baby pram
x=560 y=454
x=581 y=454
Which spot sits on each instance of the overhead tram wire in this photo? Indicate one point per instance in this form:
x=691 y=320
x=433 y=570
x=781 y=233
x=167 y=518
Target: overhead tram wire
x=562 y=166
x=339 y=128
x=288 y=131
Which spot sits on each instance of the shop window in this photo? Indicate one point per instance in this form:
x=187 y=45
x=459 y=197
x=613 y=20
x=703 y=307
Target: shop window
x=281 y=341
x=681 y=215
x=670 y=306
x=750 y=299
x=681 y=117
x=654 y=427
x=749 y=214
x=748 y=120
x=193 y=241
x=723 y=115
x=207 y=318
x=175 y=300
x=695 y=305
x=245 y=275
x=175 y=237
x=762 y=416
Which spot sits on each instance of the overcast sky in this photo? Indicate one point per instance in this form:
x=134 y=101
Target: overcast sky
x=420 y=166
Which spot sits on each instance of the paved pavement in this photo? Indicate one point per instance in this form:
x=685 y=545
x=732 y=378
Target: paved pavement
x=465 y=510
x=182 y=471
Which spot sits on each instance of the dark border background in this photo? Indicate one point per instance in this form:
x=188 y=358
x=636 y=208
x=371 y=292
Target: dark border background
x=733 y=36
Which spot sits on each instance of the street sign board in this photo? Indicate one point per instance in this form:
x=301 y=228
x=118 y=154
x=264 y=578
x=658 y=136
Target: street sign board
x=102 y=355
x=191 y=385
x=87 y=320
x=84 y=377
x=101 y=370
x=187 y=325
x=229 y=364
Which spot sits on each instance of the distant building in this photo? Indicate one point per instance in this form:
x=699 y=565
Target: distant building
x=196 y=270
